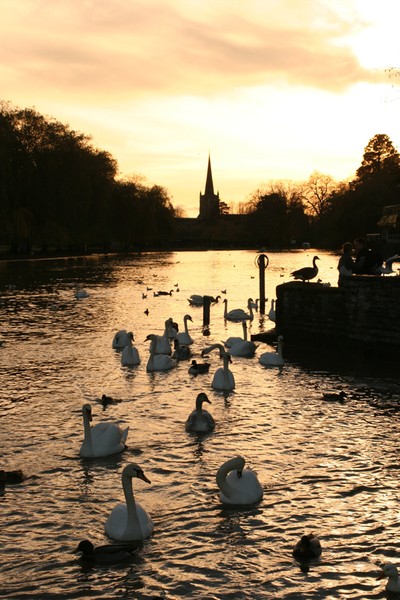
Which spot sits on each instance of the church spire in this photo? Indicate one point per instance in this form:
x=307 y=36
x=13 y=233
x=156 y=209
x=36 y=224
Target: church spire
x=209 y=201
x=209 y=191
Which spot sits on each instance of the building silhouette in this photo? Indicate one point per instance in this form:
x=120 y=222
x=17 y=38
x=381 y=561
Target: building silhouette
x=209 y=201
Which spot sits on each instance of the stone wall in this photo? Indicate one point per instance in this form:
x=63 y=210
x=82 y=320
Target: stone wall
x=364 y=311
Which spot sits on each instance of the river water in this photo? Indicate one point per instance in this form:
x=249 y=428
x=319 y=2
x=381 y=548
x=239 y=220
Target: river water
x=326 y=467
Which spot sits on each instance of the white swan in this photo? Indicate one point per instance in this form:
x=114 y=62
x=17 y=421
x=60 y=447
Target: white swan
x=158 y=362
x=271 y=313
x=235 y=339
x=389 y=570
x=274 y=359
x=129 y=521
x=238 y=314
x=223 y=379
x=130 y=354
x=245 y=347
x=163 y=344
x=121 y=339
x=200 y=420
x=103 y=439
x=238 y=485
x=184 y=338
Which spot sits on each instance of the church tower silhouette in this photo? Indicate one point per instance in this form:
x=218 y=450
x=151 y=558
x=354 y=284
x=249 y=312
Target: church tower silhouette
x=209 y=202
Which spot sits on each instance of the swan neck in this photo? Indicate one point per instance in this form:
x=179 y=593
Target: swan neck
x=221 y=476
x=132 y=524
x=87 y=431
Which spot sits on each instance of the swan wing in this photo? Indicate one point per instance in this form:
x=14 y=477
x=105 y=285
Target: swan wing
x=108 y=438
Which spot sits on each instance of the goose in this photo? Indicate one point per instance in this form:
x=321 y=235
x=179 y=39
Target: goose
x=130 y=354
x=184 y=337
x=200 y=420
x=274 y=359
x=121 y=339
x=231 y=341
x=307 y=548
x=271 y=313
x=238 y=485
x=129 y=521
x=158 y=362
x=306 y=273
x=162 y=293
x=223 y=379
x=238 y=314
x=103 y=439
x=108 y=554
x=389 y=570
x=197 y=368
x=181 y=351
x=334 y=396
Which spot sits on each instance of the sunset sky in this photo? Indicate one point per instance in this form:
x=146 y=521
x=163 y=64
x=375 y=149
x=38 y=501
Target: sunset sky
x=273 y=89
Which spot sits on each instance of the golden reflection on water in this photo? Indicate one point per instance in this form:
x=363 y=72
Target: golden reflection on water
x=325 y=467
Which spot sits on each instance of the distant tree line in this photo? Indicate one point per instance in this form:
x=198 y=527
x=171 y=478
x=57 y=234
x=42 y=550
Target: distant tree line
x=325 y=212
x=58 y=191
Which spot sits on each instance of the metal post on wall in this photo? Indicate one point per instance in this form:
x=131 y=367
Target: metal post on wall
x=262 y=262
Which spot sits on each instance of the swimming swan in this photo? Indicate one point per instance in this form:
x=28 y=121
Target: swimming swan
x=163 y=344
x=200 y=420
x=389 y=570
x=272 y=313
x=103 y=439
x=158 y=362
x=245 y=347
x=184 y=338
x=130 y=354
x=273 y=359
x=223 y=379
x=234 y=340
x=120 y=340
x=129 y=521
x=238 y=314
x=238 y=485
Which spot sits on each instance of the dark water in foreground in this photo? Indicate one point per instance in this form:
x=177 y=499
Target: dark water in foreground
x=325 y=467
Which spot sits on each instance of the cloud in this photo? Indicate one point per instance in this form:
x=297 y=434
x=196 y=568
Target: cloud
x=100 y=50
